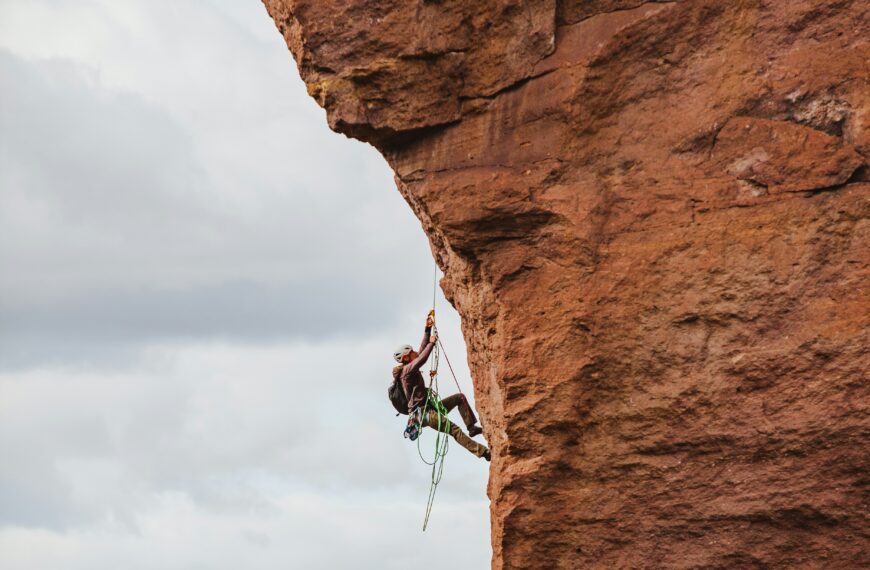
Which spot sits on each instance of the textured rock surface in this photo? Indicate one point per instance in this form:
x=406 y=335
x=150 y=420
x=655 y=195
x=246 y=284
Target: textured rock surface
x=654 y=219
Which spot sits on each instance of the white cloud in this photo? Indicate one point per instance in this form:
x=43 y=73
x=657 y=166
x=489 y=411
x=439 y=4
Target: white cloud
x=311 y=533
x=230 y=433
x=200 y=288
x=102 y=190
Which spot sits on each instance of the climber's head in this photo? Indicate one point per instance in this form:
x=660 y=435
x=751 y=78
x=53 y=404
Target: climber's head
x=404 y=354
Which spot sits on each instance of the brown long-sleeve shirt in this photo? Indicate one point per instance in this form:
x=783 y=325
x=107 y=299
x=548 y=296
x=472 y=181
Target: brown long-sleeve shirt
x=411 y=377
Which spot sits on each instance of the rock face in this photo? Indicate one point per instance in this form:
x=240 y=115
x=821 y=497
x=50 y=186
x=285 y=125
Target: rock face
x=654 y=219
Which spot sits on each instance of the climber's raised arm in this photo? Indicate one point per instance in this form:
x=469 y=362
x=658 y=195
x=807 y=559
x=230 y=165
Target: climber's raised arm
x=425 y=350
x=430 y=322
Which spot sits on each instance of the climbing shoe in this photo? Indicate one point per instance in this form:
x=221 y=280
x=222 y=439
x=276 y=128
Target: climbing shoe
x=487 y=455
x=475 y=430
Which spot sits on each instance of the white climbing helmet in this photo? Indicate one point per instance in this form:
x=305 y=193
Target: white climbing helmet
x=402 y=351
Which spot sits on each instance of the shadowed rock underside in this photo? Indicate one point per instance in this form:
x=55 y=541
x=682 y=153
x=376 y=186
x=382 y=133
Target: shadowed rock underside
x=654 y=220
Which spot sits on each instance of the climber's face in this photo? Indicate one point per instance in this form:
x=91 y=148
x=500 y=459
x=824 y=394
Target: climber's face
x=409 y=357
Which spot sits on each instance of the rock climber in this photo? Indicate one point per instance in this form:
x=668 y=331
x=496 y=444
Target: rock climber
x=409 y=396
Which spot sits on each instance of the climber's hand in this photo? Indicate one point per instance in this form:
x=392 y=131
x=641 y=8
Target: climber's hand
x=430 y=320
x=433 y=338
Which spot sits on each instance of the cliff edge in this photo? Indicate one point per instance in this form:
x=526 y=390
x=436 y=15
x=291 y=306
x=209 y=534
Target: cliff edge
x=654 y=220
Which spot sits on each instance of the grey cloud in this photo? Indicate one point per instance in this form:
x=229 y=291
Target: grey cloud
x=95 y=154
x=212 y=424
x=200 y=287
x=112 y=233
x=247 y=312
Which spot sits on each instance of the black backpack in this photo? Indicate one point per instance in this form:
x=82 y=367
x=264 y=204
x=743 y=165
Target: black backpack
x=396 y=393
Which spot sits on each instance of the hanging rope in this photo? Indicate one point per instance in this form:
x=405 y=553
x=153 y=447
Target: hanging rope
x=434 y=284
x=452 y=373
x=450 y=366
x=433 y=402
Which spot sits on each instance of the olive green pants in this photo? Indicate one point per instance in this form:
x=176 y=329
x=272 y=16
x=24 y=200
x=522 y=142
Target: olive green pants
x=438 y=422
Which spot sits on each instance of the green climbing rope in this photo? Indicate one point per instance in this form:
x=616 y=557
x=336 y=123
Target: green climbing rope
x=433 y=402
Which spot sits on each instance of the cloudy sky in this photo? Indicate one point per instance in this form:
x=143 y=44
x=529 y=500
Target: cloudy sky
x=198 y=302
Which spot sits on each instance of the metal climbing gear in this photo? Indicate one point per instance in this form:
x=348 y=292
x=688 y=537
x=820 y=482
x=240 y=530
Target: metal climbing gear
x=415 y=424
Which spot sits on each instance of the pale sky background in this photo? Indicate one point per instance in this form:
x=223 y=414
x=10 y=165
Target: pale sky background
x=199 y=297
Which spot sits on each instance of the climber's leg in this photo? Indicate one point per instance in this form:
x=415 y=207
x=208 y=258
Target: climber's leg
x=465 y=411
x=432 y=418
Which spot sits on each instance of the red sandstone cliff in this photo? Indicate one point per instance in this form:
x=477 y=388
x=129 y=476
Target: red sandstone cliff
x=654 y=219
